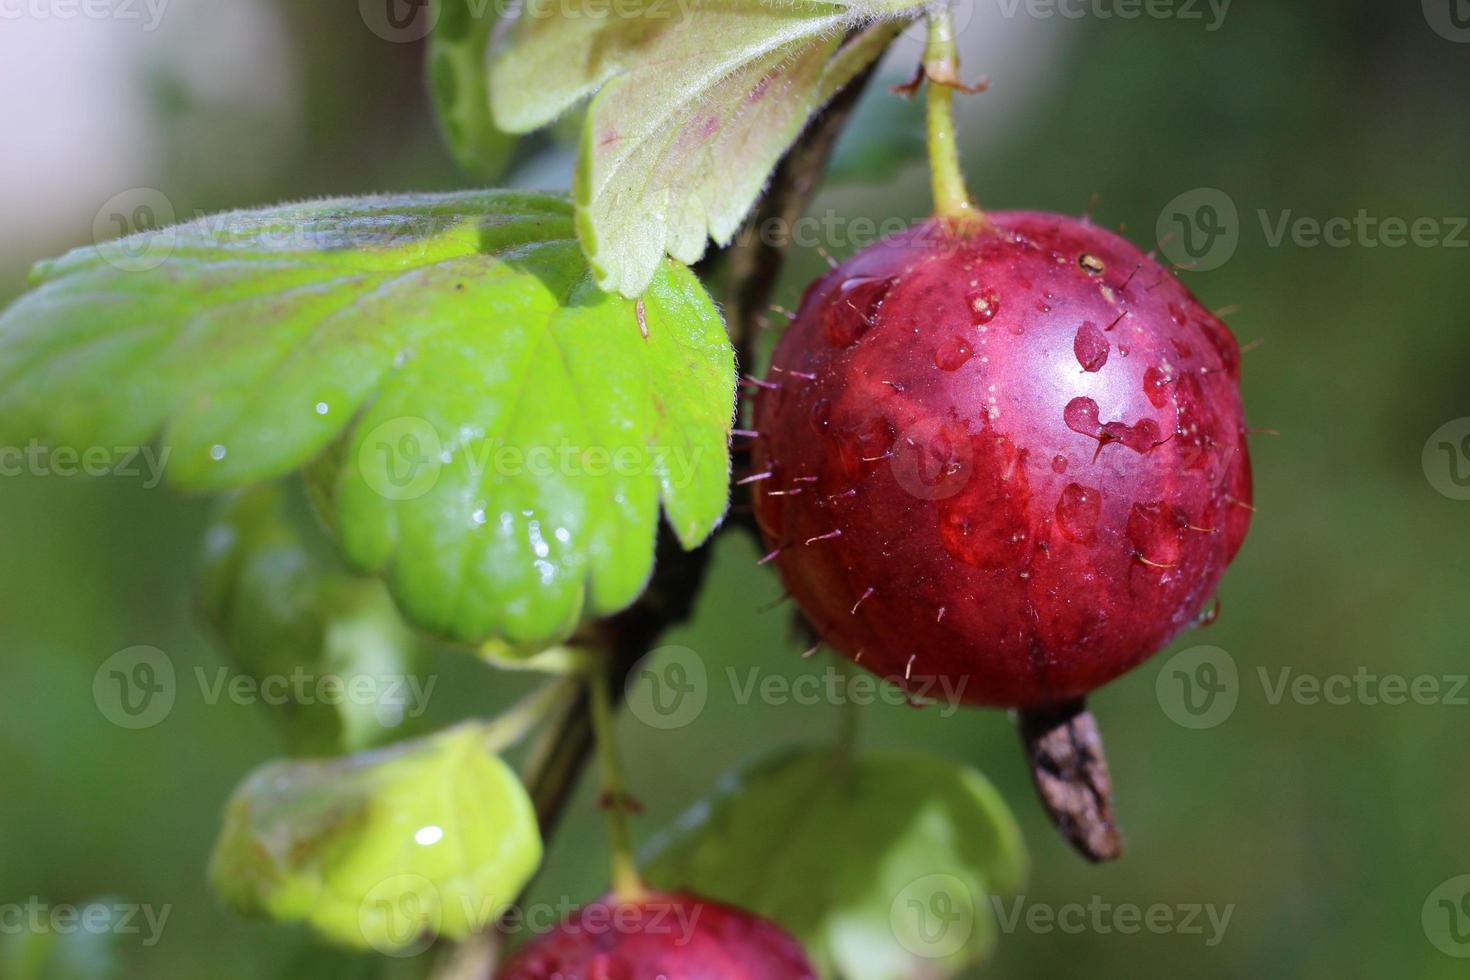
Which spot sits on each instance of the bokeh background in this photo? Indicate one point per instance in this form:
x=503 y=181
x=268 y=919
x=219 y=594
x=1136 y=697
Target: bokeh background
x=1326 y=827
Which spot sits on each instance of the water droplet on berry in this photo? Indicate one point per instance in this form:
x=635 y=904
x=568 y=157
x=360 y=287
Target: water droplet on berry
x=951 y=354
x=1077 y=511
x=853 y=311
x=1091 y=347
x=1155 y=385
x=984 y=305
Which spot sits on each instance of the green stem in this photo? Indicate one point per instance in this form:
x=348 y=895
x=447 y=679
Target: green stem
x=516 y=722
x=849 y=716
x=627 y=883
x=941 y=66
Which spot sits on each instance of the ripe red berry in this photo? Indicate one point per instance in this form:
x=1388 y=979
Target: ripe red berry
x=668 y=936
x=1011 y=456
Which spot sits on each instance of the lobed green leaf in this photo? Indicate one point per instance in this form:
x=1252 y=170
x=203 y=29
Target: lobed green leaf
x=697 y=104
x=487 y=429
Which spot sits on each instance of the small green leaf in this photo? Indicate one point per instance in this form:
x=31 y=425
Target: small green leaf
x=385 y=849
x=696 y=108
x=493 y=433
x=329 y=649
x=883 y=867
x=458 y=80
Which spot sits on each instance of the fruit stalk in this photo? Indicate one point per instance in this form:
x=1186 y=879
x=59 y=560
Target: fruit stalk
x=1065 y=750
x=941 y=67
x=627 y=883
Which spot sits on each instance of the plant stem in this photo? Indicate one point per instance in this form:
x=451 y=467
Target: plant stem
x=627 y=884
x=941 y=65
x=849 y=716
x=517 y=721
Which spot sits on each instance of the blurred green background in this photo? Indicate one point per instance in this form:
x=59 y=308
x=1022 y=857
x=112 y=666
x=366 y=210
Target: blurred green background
x=1325 y=826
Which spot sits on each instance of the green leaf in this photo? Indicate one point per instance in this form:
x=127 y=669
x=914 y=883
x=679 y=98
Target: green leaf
x=382 y=850
x=883 y=866
x=495 y=433
x=696 y=108
x=330 y=648
x=459 y=82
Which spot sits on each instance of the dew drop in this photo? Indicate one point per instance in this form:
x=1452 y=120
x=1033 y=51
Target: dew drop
x=853 y=310
x=1091 y=347
x=1155 y=386
x=1156 y=531
x=950 y=355
x=217 y=452
x=984 y=305
x=322 y=408
x=1077 y=511
x=1059 y=463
